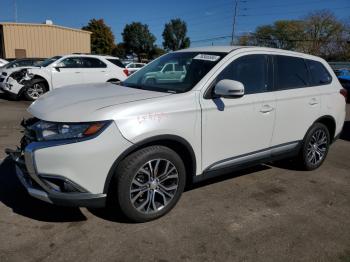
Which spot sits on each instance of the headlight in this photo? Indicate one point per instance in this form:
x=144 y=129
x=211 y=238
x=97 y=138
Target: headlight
x=58 y=131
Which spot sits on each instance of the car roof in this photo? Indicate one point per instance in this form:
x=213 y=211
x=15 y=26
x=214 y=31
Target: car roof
x=219 y=49
x=228 y=49
x=88 y=55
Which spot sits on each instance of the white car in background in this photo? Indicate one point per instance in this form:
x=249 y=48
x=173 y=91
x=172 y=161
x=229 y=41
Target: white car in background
x=12 y=70
x=3 y=62
x=133 y=67
x=65 y=70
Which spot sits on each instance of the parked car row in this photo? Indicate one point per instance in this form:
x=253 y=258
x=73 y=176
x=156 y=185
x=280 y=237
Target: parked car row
x=34 y=77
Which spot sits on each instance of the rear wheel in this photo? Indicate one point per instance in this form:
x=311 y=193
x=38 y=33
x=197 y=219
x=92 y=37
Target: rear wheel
x=37 y=89
x=314 y=147
x=149 y=183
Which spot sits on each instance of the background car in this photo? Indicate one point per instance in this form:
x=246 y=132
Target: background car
x=168 y=72
x=3 y=62
x=9 y=70
x=344 y=78
x=65 y=70
x=133 y=67
x=23 y=62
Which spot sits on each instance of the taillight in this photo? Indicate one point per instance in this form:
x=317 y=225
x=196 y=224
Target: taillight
x=126 y=72
x=344 y=92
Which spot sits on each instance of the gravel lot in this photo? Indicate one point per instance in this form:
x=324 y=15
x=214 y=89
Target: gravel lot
x=267 y=213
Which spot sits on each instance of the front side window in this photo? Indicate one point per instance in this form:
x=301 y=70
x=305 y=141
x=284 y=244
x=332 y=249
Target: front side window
x=90 y=62
x=319 y=74
x=37 y=62
x=71 y=62
x=250 y=70
x=159 y=75
x=290 y=72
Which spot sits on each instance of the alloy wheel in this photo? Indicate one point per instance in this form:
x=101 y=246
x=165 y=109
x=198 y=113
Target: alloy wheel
x=317 y=147
x=35 y=91
x=154 y=186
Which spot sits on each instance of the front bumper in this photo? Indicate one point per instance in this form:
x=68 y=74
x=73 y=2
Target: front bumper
x=69 y=172
x=38 y=188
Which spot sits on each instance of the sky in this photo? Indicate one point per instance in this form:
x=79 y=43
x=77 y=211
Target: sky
x=206 y=20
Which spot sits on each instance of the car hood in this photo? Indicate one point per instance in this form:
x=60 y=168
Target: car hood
x=82 y=103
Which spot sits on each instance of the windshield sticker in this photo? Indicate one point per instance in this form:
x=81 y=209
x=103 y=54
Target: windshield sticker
x=206 y=57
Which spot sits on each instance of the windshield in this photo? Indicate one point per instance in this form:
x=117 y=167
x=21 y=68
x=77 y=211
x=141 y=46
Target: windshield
x=49 y=61
x=175 y=72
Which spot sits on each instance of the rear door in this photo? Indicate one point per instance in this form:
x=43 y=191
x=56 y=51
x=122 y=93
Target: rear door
x=297 y=102
x=94 y=70
x=67 y=72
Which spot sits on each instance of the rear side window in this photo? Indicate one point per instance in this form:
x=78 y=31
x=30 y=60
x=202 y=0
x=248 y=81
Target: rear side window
x=290 y=72
x=319 y=74
x=116 y=62
x=90 y=62
x=251 y=70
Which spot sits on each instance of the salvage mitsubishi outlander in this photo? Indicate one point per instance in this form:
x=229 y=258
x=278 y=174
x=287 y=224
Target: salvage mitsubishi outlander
x=185 y=117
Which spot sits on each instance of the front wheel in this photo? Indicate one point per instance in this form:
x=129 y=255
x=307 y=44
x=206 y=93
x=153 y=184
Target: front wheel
x=314 y=147
x=34 y=91
x=149 y=183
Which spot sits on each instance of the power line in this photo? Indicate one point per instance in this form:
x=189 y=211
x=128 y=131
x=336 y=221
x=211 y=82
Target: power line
x=281 y=13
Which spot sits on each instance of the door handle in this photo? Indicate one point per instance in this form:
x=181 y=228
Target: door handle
x=103 y=71
x=313 y=101
x=77 y=72
x=266 y=108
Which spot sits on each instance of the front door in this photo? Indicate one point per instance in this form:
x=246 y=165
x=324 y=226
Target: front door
x=235 y=130
x=67 y=72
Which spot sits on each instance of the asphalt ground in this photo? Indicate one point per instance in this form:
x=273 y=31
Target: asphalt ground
x=270 y=212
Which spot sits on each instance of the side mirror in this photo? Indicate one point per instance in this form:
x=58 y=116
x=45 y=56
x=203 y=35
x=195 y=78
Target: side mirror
x=59 y=66
x=229 y=88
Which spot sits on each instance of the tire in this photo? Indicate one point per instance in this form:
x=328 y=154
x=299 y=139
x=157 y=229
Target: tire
x=134 y=185
x=35 y=90
x=114 y=81
x=314 y=148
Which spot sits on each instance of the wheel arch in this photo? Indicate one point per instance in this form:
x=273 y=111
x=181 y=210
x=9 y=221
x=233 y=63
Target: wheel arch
x=330 y=123
x=176 y=143
x=36 y=77
x=113 y=80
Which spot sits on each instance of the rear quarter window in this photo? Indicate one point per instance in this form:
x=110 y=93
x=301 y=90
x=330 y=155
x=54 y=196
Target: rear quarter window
x=117 y=62
x=319 y=74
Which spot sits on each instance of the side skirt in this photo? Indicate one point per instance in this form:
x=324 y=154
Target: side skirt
x=283 y=151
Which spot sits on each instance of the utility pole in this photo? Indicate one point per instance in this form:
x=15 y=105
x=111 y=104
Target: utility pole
x=234 y=22
x=15 y=9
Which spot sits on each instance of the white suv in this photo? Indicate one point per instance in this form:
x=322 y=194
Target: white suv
x=136 y=145
x=65 y=70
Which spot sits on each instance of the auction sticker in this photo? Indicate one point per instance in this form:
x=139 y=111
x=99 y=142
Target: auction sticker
x=206 y=57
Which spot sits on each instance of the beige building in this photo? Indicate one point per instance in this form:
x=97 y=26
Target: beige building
x=19 y=40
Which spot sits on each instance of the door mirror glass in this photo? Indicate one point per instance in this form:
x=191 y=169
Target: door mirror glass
x=229 y=88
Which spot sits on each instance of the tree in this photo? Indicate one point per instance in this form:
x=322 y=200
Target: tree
x=102 y=38
x=156 y=52
x=282 y=34
x=138 y=39
x=319 y=33
x=325 y=34
x=174 y=35
x=119 y=50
